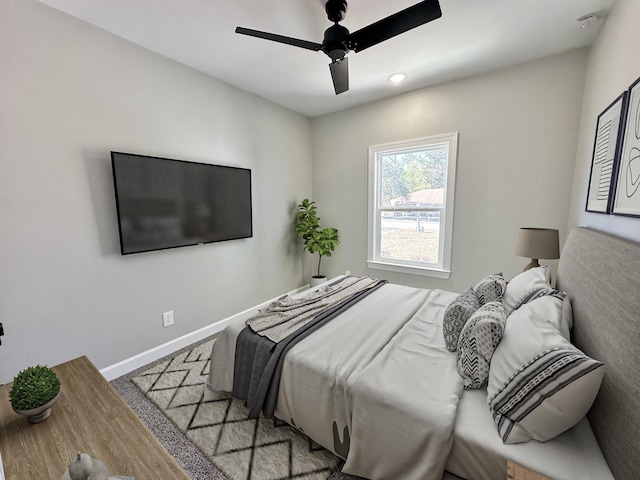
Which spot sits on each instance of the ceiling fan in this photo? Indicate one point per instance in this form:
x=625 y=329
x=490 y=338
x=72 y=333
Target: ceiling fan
x=338 y=41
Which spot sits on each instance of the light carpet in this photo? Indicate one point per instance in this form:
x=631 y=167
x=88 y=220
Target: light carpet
x=242 y=448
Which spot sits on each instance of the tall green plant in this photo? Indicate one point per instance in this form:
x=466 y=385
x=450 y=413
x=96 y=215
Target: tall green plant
x=322 y=241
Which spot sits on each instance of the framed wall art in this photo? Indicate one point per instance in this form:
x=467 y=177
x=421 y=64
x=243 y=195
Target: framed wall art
x=627 y=178
x=606 y=153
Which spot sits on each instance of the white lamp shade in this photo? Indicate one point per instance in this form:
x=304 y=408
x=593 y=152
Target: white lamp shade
x=537 y=243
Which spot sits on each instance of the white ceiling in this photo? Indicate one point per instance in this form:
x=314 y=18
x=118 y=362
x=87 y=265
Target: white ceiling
x=473 y=36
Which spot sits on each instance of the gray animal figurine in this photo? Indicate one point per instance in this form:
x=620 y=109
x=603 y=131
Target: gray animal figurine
x=83 y=467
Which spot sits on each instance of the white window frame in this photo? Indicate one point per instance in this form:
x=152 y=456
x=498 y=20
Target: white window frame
x=443 y=268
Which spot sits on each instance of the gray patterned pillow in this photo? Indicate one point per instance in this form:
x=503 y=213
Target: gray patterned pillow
x=478 y=340
x=491 y=288
x=456 y=315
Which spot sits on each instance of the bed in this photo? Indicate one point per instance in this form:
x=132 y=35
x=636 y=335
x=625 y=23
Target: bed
x=356 y=383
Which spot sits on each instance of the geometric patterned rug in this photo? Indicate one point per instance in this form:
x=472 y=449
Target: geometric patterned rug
x=242 y=448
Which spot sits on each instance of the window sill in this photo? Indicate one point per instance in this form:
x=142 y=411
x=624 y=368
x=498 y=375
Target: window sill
x=411 y=270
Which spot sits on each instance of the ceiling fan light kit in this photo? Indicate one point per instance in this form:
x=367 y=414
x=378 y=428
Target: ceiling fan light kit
x=338 y=41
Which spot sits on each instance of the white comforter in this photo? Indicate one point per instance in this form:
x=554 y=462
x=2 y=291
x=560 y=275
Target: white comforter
x=377 y=382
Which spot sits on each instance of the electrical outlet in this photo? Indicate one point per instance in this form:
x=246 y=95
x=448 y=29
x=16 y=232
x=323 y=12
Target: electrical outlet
x=167 y=319
x=347 y=272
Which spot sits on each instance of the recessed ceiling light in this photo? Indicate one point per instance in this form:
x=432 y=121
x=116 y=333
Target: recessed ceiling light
x=397 y=77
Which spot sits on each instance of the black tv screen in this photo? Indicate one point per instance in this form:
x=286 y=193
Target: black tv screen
x=164 y=203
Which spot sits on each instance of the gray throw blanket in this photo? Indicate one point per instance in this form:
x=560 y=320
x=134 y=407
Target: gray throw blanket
x=258 y=360
x=287 y=314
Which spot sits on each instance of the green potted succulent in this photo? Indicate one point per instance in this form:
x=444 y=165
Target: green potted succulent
x=34 y=392
x=322 y=241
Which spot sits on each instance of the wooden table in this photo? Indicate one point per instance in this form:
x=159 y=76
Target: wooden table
x=88 y=417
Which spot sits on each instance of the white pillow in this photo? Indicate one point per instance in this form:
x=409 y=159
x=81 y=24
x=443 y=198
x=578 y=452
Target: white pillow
x=539 y=383
x=557 y=312
x=523 y=284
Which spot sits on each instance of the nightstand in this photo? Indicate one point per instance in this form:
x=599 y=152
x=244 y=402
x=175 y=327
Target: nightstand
x=518 y=472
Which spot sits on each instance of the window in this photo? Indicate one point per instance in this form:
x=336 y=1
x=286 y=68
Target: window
x=411 y=192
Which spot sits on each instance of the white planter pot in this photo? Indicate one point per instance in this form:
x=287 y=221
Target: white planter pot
x=315 y=281
x=38 y=414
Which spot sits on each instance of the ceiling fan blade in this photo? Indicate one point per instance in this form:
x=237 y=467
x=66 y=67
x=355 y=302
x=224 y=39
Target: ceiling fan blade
x=296 y=42
x=340 y=75
x=398 y=23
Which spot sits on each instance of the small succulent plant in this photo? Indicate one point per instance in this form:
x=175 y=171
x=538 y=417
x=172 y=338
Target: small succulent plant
x=34 y=387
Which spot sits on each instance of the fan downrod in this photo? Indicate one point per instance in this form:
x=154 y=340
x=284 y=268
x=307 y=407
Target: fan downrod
x=336 y=10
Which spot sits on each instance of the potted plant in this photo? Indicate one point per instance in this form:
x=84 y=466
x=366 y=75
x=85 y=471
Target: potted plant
x=34 y=392
x=316 y=239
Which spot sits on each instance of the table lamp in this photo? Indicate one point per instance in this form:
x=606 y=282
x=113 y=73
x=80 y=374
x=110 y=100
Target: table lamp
x=535 y=243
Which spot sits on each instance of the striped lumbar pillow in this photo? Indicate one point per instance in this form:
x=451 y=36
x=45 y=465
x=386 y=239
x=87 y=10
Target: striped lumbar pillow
x=539 y=384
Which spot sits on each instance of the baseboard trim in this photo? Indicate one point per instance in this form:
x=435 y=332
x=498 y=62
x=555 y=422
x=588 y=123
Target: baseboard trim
x=130 y=364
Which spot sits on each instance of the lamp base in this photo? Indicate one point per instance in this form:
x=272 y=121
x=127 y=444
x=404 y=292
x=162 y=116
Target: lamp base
x=532 y=264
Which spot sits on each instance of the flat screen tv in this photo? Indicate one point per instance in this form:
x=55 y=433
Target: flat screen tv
x=164 y=203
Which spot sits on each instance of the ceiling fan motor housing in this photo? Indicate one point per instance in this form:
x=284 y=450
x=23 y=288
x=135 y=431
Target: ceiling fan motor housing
x=336 y=10
x=335 y=42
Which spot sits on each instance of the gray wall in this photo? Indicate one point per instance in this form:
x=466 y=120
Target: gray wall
x=613 y=65
x=518 y=132
x=70 y=93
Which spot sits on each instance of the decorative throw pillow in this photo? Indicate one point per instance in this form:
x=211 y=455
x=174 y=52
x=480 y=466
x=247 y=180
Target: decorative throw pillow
x=523 y=284
x=456 y=315
x=490 y=289
x=478 y=340
x=539 y=383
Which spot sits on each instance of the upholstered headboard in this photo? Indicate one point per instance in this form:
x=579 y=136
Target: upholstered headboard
x=601 y=275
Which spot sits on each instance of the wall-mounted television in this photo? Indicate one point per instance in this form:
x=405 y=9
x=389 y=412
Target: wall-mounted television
x=164 y=203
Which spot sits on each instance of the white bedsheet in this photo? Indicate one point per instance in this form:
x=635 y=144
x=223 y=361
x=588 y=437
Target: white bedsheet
x=405 y=402
x=354 y=374
x=479 y=454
